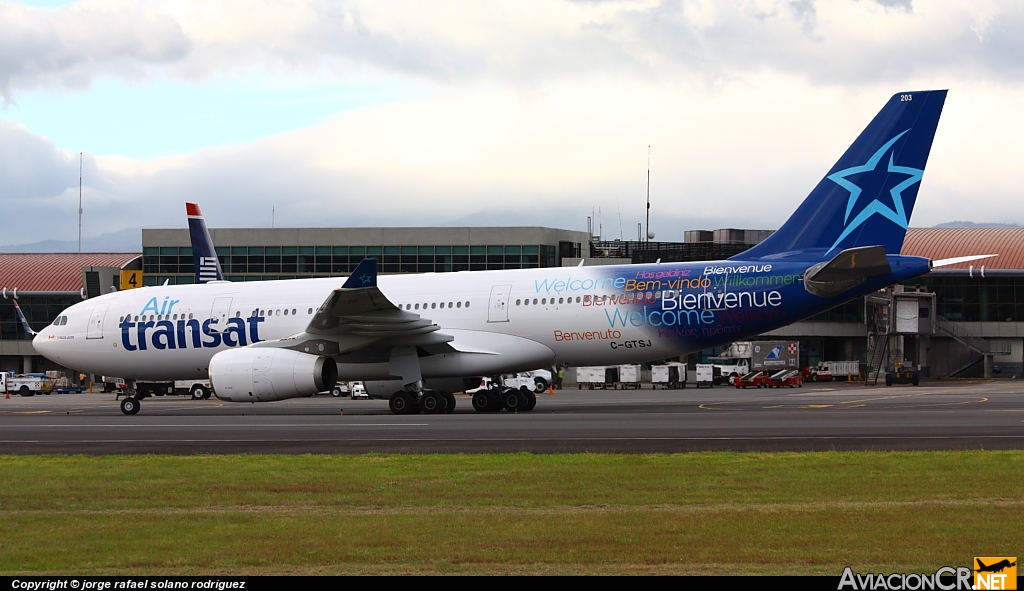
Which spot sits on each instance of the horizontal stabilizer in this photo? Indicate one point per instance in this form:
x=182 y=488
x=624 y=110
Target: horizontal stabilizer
x=846 y=270
x=957 y=260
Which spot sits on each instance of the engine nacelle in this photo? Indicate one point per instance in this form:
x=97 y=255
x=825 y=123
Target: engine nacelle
x=265 y=374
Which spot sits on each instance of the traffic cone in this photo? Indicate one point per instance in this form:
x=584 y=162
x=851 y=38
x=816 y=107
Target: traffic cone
x=551 y=389
x=8 y=394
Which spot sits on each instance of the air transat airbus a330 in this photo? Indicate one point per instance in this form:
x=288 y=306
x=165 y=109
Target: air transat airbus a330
x=417 y=338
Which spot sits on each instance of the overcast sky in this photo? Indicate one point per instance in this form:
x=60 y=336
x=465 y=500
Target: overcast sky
x=338 y=113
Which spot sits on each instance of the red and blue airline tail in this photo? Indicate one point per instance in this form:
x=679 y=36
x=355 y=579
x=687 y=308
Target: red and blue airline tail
x=867 y=197
x=204 y=255
x=21 y=318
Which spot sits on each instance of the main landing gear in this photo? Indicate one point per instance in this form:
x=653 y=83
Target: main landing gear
x=512 y=400
x=430 y=402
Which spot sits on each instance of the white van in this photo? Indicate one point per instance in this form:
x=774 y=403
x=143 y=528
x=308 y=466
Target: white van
x=358 y=390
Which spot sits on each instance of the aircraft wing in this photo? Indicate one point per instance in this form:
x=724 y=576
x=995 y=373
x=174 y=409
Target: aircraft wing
x=357 y=315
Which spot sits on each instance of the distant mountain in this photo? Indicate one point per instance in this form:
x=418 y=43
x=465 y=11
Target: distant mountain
x=126 y=240
x=975 y=225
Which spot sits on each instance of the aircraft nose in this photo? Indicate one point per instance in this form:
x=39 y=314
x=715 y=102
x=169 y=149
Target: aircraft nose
x=43 y=342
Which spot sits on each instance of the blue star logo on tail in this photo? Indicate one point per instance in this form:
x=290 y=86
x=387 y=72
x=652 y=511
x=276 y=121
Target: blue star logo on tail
x=898 y=215
x=364 y=275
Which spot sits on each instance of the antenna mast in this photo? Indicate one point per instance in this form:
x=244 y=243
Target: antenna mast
x=648 y=237
x=80 y=202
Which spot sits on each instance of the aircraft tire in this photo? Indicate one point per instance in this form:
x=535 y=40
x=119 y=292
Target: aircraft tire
x=531 y=401
x=511 y=400
x=481 y=402
x=199 y=392
x=130 y=406
x=401 y=403
x=493 y=401
x=524 y=399
x=433 y=403
x=450 y=407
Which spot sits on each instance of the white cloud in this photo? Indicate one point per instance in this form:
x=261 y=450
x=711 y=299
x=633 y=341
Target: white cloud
x=541 y=109
x=522 y=43
x=744 y=156
x=33 y=168
x=68 y=46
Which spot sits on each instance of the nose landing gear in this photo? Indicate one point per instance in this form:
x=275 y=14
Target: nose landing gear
x=130 y=405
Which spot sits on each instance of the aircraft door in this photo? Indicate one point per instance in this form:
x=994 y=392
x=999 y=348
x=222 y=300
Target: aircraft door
x=95 y=330
x=219 y=314
x=497 y=308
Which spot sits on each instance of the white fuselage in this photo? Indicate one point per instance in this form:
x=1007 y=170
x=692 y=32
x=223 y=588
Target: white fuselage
x=171 y=332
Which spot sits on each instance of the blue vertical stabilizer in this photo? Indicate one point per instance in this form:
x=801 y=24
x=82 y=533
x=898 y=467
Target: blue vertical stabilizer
x=867 y=197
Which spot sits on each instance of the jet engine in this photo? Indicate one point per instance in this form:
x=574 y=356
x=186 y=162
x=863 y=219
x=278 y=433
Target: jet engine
x=265 y=374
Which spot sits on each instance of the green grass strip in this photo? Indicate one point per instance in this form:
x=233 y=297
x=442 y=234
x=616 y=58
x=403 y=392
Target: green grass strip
x=509 y=513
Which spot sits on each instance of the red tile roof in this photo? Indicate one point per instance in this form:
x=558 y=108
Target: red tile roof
x=54 y=271
x=947 y=243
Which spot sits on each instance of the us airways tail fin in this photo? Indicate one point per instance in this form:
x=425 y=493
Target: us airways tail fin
x=21 y=318
x=204 y=255
x=867 y=197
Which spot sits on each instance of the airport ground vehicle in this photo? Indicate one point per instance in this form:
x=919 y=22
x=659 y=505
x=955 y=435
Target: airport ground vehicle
x=704 y=375
x=786 y=378
x=754 y=379
x=197 y=389
x=113 y=384
x=669 y=376
x=830 y=371
x=61 y=384
x=358 y=391
x=604 y=377
x=903 y=374
x=27 y=384
x=742 y=357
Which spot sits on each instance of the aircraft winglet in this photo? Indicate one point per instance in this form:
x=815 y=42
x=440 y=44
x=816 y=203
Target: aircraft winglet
x=21 y=317
x=365 y=275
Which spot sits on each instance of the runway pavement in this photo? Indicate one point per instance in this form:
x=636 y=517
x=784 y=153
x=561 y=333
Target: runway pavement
x=937 y=415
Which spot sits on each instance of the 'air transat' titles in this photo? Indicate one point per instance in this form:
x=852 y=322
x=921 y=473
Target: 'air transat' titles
x=185 y=334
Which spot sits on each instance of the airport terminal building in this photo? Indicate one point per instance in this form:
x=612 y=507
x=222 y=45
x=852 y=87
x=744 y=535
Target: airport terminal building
x=979 y=307
x=294 y=253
